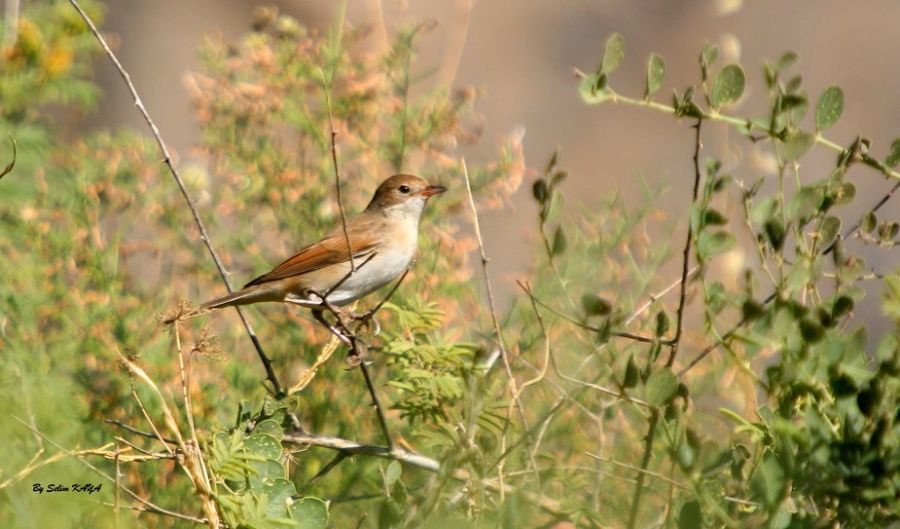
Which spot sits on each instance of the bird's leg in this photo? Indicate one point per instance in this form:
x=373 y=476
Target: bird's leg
x=317 y=314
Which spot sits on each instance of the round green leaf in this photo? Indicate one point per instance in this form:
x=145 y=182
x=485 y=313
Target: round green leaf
x=797 y=143
x=595 y=305
x=829 y=107
x=728 y=86
x=309 y=513
x=805 y=204
x=831 y=226
x=656 y=72
x=392 y=474
x=264 y=445
x=716 y=242
x=660 y=386
x=278 y=496
x=614 y=53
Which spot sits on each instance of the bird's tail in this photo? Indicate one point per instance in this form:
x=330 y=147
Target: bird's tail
x=244 y=296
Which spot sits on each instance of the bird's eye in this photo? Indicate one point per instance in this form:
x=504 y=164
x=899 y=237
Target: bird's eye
x=403 y=189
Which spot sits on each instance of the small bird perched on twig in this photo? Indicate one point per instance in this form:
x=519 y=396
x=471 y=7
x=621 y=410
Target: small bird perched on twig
x=383 y=240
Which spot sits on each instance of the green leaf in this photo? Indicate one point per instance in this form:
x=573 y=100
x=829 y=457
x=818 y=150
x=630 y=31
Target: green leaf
x=797 y=143
x=805 y=204
x=690 y=516
x=830 y=107
x=309 y=513
x=539 y=190
x=264 y=445
x=264 y=473
x=893 y=157
x=763 y=211
x=559 y=242
x=392 y=474
x=787 y=60
x=775 y=233
x=279 y=495
x=830 y=229
x=869 y=221
x=631 y=373
x=656 y=72
x=662 y=323
x=728 y=86
x=712 y=217
x=661 y=386
x=767 y=481
x=613 y=55
x=594 y=305
x=712 y=243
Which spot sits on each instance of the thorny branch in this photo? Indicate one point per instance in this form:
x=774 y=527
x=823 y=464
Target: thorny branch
x=167 y=160
x=686 y=259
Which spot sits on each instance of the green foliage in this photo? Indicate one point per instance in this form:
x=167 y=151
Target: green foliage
x=789 y=420
x=254 y=490
x=823 y=447
x=727 y=87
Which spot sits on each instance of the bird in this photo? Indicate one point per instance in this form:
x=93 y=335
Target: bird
x=383 y=239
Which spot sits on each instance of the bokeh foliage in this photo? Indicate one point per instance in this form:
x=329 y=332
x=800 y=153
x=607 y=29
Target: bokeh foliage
x=791 y=422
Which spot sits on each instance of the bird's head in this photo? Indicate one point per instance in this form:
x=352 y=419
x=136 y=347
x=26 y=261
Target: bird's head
x=403 y=194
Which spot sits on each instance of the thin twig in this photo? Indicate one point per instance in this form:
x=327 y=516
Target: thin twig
x=132 y=429
x=353 y=448
x=645 y=462
x=504 y=354
x=686 y=259
x=167 y=159
x=655 y=297
x=337 y=173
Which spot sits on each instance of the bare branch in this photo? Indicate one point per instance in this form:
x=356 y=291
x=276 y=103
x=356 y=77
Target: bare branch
x=686 y=259
x=352 y=447
x=167 y=159
x=337 y=173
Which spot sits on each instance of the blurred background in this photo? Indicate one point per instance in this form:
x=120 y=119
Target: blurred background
x=97 y=241
x=520 y=56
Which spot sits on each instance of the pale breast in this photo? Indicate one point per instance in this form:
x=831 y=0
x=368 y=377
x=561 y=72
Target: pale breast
x=390 y=261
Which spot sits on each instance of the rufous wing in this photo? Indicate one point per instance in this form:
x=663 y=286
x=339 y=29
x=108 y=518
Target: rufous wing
x=331 y=250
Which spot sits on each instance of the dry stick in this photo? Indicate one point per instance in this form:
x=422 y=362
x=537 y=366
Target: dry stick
x=167 y=159
x=727 y=336
x=504 y=354
x=686 y=259
x=654 y=413
x=353 y=448
x=150 y=506
x=122 y=425
x=337 y=172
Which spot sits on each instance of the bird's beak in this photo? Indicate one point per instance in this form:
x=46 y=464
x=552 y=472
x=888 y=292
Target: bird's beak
x=432 y=190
